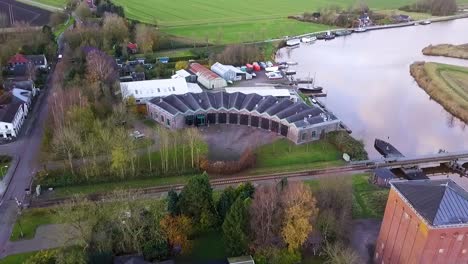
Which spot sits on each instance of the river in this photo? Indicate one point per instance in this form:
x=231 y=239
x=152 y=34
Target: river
x=369 y=87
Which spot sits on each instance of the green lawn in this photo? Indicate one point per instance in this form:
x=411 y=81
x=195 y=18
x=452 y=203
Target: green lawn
x=54 y=3
x=446 y=84
x=225 y=21
x=17 y=259
x=368 y=200
x=245 y=31
x=284 y=153
x=62 y=27
x=5 y=162
x=29 y=221
x=206 y=247
x=111 y=186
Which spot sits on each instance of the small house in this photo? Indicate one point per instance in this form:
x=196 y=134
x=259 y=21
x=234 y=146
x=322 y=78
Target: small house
x=382 y=177
x=39 y=61
x=11 y=119
x=132 y=48
x=207 y=78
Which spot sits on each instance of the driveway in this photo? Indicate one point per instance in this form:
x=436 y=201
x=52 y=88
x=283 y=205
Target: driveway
x=363 y=237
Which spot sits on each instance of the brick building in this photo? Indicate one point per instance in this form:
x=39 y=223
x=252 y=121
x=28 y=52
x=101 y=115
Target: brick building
x=425 y=221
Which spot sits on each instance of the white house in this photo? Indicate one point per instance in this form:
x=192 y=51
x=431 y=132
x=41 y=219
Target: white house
x=11 y=119
x=144 y=91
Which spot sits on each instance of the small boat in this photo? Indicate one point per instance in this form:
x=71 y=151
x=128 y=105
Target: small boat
x=291 y=63
x=329 y=35
x=360 y=29
x=271 y=69
x=308 y=39
x=290 y=72
x=344 y=32
x=293 y=42
x=426 y=22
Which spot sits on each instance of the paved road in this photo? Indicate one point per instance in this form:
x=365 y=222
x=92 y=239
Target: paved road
x=27 y=147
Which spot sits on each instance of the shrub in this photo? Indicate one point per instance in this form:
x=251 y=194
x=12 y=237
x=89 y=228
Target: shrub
x=347 y=144
x=247 y=160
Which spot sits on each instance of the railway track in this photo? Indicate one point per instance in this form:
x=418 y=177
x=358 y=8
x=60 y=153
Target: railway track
x=157 y=190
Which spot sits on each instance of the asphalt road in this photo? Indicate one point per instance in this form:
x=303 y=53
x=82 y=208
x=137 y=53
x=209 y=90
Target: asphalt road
x=27 y=147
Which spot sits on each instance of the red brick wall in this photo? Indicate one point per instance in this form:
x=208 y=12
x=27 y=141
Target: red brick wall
x=405 y=238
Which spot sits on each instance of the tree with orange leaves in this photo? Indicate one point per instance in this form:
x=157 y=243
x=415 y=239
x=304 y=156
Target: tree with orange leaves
x=178 y=229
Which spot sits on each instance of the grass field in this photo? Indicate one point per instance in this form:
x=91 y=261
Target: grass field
x=225 y=21
x=368 y=200
x=17 y=259
x=447 y=84
x=29 y=221
x=54 y=3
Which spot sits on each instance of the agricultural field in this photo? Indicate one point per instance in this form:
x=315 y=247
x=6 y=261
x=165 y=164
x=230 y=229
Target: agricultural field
x=235 y=21
x=54 y=3
x=447 y=84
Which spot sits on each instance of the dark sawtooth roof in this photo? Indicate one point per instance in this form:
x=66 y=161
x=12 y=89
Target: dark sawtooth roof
x=299 y=114
x=440 y=202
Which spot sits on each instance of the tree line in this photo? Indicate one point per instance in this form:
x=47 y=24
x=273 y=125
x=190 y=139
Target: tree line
x=277 y=223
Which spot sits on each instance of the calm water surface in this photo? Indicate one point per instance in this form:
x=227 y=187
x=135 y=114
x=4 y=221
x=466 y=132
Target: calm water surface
x=366 y=77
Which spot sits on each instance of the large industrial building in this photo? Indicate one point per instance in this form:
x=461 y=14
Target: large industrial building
x=144 y=91
x=425 y=221
x=207 y=78
x=295 y=120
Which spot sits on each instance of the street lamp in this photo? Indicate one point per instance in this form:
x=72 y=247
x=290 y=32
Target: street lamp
x=20 y=210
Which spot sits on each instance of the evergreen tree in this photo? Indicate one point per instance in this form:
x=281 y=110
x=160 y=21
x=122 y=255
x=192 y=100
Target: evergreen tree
x=235 y=228
x=246 y=190
x=172 y=202
x=196 y=201
x=228 y=197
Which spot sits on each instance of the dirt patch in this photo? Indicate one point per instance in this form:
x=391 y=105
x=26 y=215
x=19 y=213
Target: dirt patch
x=364 y=236
x=18 y=12
x=447 y=50
x=228 y=142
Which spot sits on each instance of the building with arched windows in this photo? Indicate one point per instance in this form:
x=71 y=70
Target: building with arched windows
x=296 y=121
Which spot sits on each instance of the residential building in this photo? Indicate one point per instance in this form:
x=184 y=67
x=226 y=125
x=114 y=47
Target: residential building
x=143 y=91
x=296 y=121
x=11 y=119
x=382 y=177
x=425 y=221
x=40 y=61
x=207 y=78
x=132 y=48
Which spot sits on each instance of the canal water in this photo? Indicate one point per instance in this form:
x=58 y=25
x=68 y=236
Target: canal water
x=369 y=87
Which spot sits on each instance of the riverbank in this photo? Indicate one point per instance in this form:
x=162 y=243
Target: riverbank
x=447 y=50
x=446 y=84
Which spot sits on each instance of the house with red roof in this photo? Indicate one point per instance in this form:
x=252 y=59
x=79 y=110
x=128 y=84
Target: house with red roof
x=206 y=77
x=132 y=48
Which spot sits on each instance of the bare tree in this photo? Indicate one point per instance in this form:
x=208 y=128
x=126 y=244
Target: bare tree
x=146 y=37
x=115 y=29
x=265 y=220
